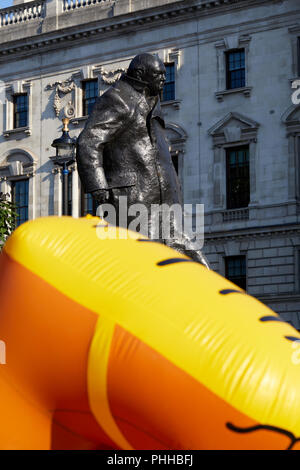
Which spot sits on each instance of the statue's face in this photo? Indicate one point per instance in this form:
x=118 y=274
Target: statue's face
x=156 y=77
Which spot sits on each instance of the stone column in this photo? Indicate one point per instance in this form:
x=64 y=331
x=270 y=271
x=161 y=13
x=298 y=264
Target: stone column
x=57 y=191
x=31 y=197
x=3 y=185
x=218 y=174
x=252 y=171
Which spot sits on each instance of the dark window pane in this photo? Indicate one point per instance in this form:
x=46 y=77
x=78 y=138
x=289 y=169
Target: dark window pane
x=168 y=92
x=235 y=270
x=20 y=199
x=20 y=111
x=90 y=94
x=238 y=184
x=235 y=68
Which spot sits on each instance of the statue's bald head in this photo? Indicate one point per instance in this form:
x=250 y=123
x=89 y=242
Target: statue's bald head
x=150 y=69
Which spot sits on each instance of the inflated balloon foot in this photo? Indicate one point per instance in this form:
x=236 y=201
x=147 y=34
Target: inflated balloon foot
x=114 y=343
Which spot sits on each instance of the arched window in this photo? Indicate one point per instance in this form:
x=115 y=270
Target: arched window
x=16 y=179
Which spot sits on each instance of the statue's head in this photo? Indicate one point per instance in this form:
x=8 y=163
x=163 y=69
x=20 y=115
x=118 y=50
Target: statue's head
x=149 y=69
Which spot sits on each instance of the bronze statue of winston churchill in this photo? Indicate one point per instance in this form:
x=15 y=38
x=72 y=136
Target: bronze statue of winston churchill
x=122 y=151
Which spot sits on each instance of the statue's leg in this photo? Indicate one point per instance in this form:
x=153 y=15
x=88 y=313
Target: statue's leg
x=176 y=238
x=180 y=240
x=184 y=248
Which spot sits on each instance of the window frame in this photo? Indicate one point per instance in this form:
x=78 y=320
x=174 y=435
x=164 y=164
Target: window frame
x=172 y=82
x=229 y=72
x=13 y=197
x=16 y=112
x=222 y=46
x=231 y=278
x=84 y=99
x=236 y=149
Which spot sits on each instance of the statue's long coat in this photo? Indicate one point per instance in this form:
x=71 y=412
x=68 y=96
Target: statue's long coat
x=123 y=148
x=125 y=135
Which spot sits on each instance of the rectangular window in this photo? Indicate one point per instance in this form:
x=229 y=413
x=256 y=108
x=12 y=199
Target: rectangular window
x=89 y=95
x=87 y=204
x=20 y=111
x=168 y=93
x=20 y=199
x=235 y=69
x=237 y=175
x=235 y=270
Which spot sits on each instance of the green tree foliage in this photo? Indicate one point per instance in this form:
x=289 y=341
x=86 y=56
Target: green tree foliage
x=7 y=218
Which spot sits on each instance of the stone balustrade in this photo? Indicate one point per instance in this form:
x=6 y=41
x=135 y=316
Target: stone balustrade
x=235 y=214
x=21 y=13
x=73 y=4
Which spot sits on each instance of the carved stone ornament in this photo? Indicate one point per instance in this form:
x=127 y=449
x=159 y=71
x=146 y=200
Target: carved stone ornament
x=69 y=110
x=64 y=88
x=111 y=76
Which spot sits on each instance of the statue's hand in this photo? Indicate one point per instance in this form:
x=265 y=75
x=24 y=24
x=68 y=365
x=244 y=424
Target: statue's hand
x=100 y=196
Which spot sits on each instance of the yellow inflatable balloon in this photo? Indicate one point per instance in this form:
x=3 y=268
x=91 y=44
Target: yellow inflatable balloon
x=126 y=344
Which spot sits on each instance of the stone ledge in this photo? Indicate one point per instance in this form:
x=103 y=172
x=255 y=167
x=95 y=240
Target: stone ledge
x=19 y=130
x=246 y=91
x=172 y=103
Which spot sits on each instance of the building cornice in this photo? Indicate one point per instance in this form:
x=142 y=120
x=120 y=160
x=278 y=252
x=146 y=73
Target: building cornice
x=110 y=27
x=286 y=230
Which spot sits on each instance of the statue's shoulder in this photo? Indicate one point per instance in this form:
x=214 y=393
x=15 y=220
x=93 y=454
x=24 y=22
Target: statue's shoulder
x=125 y=91
x=119 y=94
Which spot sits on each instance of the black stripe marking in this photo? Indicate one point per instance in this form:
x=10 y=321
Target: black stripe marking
x=289 y=434
x=271 y=318
x=231 y=291
x=174 y=260
x=292 y=338
x=146 y=240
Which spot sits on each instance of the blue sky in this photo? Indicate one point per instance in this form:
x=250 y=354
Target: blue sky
x=5 y=3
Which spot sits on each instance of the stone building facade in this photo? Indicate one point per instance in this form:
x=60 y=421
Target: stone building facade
x=233 y=129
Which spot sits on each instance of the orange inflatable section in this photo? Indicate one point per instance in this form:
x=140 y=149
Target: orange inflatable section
x=114 y=343
x=144 y=393
x=44 y=402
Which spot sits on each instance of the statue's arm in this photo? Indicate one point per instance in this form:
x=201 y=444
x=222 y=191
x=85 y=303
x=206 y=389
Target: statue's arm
x=109 y=117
